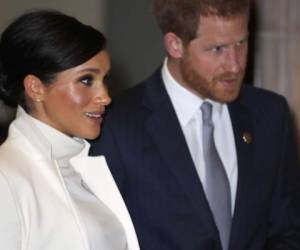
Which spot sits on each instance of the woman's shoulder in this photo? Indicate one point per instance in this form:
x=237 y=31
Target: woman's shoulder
x=10 y=176
x=15 y=153
x=10 y=226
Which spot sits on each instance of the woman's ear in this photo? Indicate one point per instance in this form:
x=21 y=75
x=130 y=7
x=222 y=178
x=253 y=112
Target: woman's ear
x=34 y=88
x=173 y=45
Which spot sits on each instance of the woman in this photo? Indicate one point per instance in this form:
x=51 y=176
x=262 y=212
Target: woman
x=53 y=195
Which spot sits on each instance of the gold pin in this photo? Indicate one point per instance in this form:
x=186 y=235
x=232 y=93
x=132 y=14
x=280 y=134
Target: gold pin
x=247 y=138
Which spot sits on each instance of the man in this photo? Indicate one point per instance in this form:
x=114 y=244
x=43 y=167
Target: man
x=196 y=180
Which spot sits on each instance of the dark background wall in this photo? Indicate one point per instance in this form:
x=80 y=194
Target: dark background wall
x=134 y=42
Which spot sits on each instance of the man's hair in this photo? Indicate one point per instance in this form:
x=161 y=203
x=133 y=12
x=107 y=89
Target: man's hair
x=182 y=16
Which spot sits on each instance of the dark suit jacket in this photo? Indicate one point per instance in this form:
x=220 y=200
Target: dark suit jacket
x=149 y=158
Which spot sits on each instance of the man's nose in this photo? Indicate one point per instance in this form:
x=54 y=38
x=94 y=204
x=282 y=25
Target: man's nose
x=232 y=62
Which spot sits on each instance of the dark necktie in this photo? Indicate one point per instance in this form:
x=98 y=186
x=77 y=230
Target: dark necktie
x=217 y=185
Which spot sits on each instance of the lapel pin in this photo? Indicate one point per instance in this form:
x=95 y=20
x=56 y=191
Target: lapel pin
x=247 y=138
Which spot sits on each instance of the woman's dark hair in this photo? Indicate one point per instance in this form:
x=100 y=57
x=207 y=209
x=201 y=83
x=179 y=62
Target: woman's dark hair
x=43 y=43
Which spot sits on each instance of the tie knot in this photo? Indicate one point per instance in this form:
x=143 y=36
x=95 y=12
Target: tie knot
x=206 y=109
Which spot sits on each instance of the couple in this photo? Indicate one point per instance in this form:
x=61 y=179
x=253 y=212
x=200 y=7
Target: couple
x=200 y=161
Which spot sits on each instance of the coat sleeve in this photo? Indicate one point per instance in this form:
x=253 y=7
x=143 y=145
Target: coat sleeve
x=284 y=233
x=10 y=230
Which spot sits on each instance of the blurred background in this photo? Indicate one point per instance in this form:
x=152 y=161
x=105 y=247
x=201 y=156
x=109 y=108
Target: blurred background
x=135 y=44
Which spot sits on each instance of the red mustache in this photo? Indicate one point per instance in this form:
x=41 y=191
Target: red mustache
x=229 y=76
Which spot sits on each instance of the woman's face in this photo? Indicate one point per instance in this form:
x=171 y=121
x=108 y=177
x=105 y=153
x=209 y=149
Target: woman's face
x=75 y=101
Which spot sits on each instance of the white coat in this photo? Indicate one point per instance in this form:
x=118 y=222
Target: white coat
x=37 y=212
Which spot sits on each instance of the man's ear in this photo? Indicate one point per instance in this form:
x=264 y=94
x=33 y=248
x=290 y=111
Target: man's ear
x=173 y=45
x=34 y=88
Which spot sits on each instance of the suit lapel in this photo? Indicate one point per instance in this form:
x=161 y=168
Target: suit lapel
x=97 y=177
x=244 y=139
x=164 y=127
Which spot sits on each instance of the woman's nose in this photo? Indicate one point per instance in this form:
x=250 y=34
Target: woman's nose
x=103 y=96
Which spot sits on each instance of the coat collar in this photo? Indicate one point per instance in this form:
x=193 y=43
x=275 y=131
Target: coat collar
x=24 y=123
x=242 y=123
x=163 y=125
x=97 y=177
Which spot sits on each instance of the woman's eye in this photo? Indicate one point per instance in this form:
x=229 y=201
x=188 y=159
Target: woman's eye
x=86 y=80
x=106 y=79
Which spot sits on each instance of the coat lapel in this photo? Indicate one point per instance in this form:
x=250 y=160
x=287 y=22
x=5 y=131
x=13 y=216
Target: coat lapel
x=97 y=177
x=244 y=139
x=164 y=127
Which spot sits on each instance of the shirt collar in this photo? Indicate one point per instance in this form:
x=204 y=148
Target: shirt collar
x=185 y=103
x=53 y=143
x=62 y=146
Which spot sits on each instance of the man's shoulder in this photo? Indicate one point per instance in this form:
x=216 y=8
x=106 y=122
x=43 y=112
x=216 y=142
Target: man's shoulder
x=255 y=96
x=130 y=95
x=135 y=95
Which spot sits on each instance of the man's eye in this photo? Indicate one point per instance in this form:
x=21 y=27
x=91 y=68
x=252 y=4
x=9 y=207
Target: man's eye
x=217 y=49
x=241 y=42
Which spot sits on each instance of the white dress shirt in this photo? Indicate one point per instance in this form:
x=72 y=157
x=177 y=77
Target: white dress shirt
x=187 y=107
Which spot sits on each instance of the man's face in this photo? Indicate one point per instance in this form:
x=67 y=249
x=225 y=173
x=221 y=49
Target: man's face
x=213 y=64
